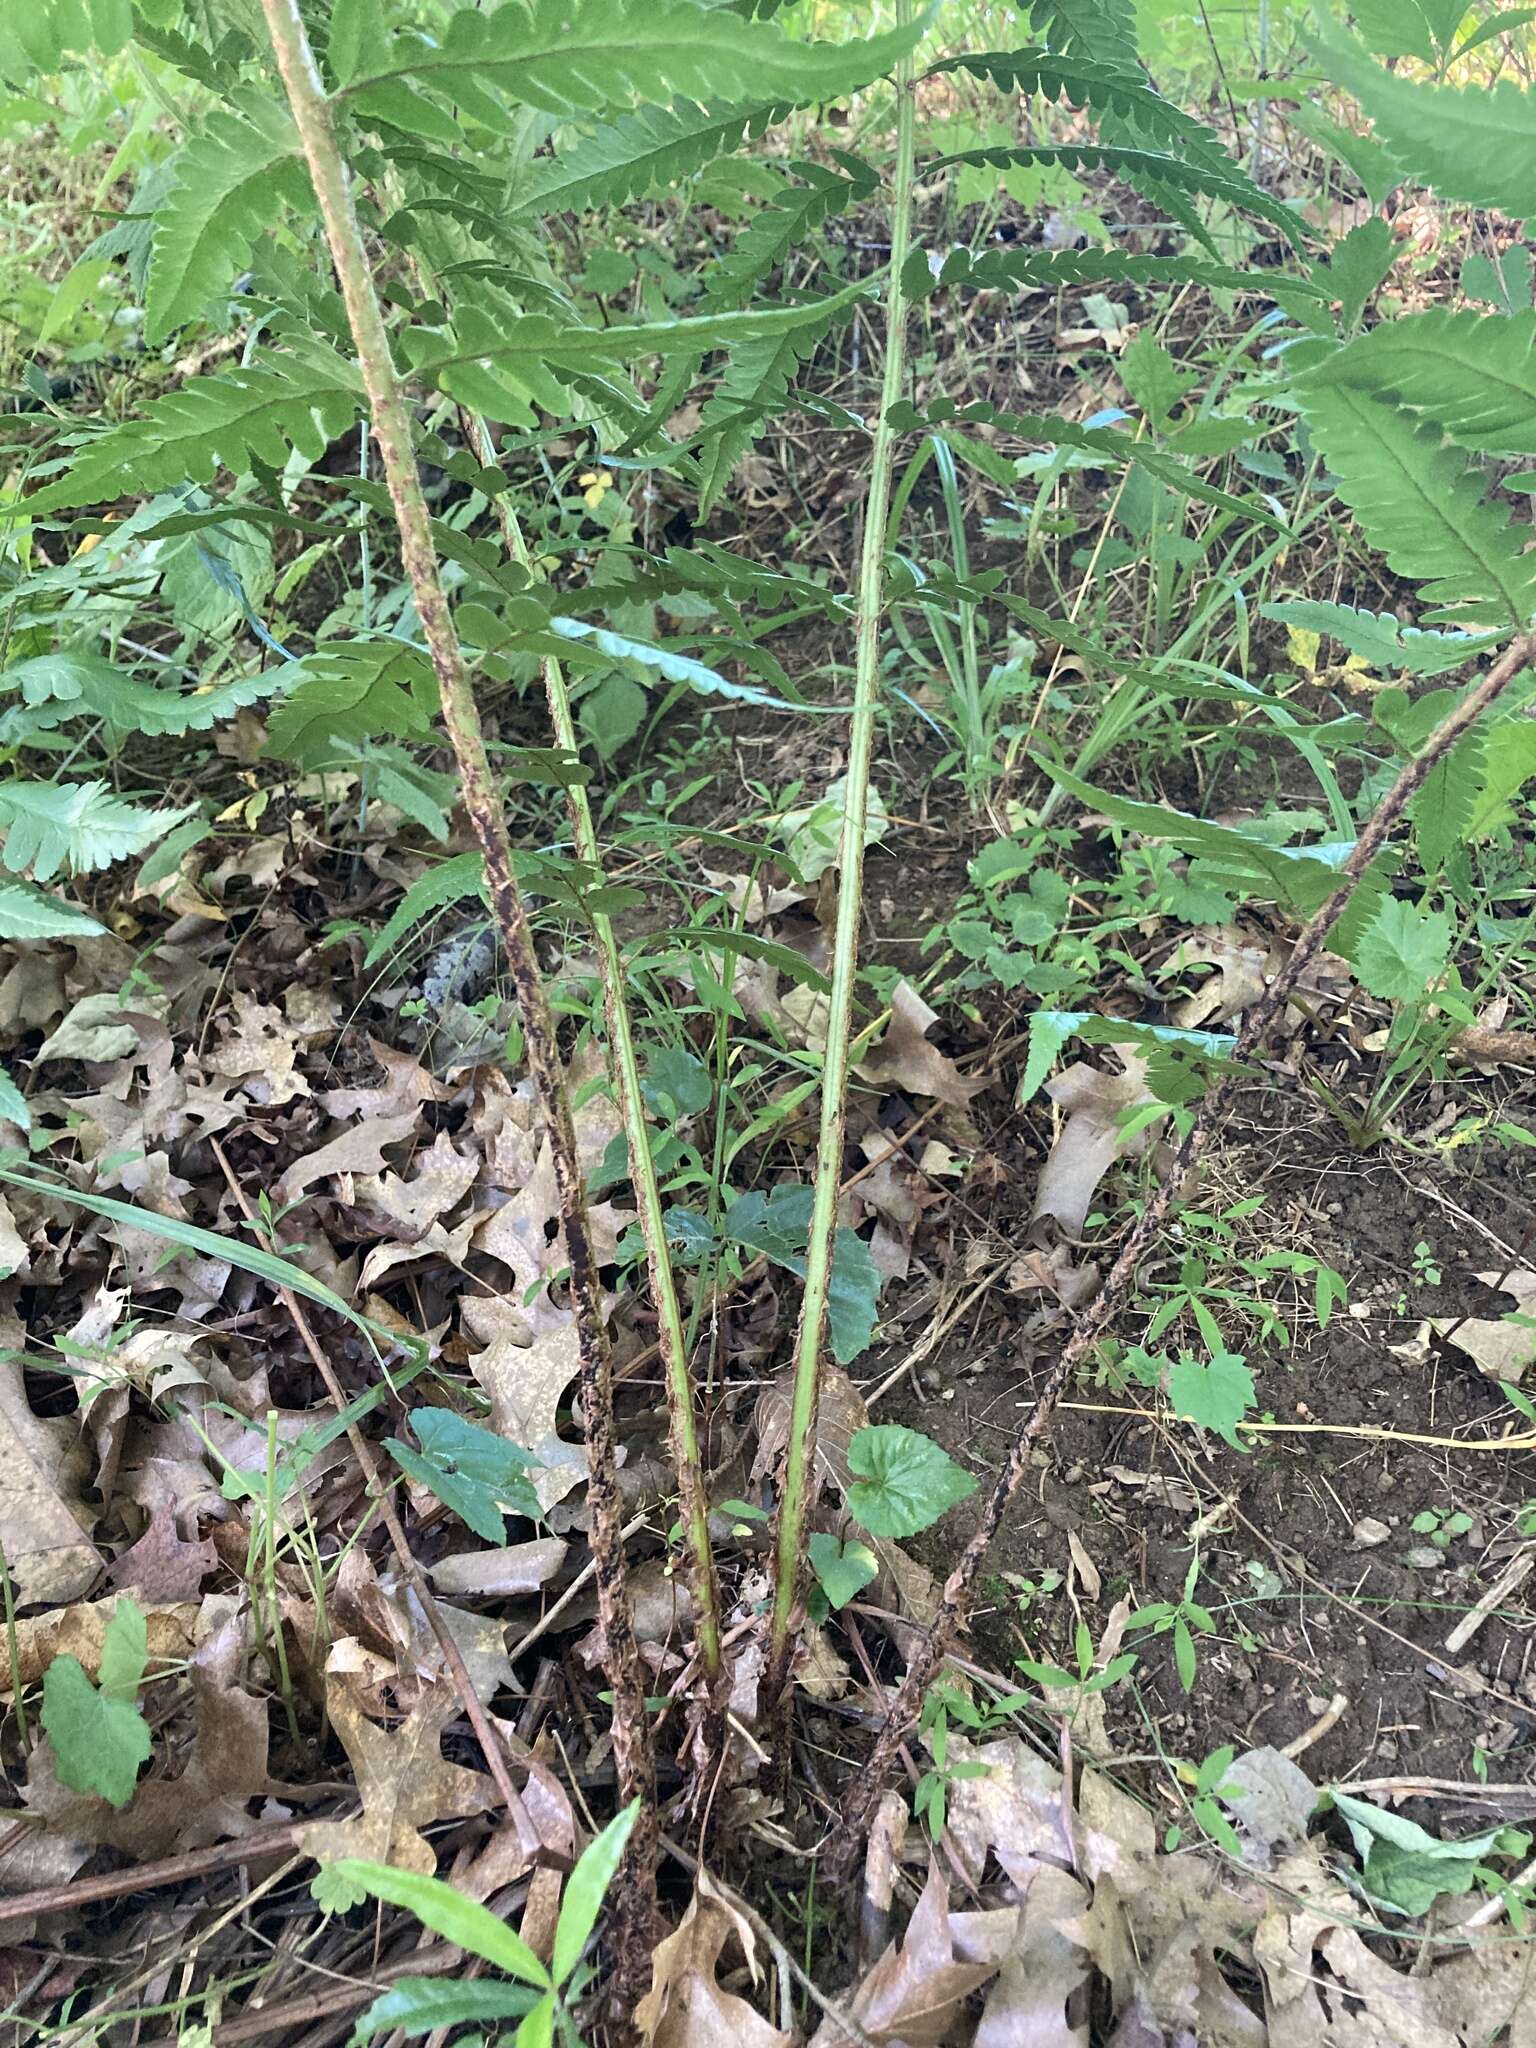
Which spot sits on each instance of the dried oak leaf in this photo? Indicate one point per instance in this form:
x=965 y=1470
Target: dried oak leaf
x=80 y=1630
x=916 y=1993
x=906 y=1058
x=260 y=1051
x=526 y=1383
x=357 y=1150
x=1501 y=1349
x=685 y=2007
x=403 y=1780
x=162 y=1565
x=406 y=1085
x=1243 y=966
x=43 y=1523
x=1090 y=1141
x=226 y=1769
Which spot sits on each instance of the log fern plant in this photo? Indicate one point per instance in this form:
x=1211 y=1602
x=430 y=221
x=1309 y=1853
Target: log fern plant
x=413 y=216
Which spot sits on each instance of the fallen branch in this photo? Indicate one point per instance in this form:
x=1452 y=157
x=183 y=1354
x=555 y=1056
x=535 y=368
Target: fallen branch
x=960 y=1588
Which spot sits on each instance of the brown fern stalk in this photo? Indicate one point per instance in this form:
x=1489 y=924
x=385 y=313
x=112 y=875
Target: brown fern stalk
x=633 y=1753
x=1095 y=1321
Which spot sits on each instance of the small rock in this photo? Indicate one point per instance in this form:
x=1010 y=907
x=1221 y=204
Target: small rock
x=1423 y=1557
x=1386 y=1482
x=1368 y=1532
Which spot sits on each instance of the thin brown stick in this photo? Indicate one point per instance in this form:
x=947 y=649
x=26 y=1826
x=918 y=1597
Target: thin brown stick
x=1094 y=1322
x=147 y=1877
x=634 y=1759
x=382 y=1494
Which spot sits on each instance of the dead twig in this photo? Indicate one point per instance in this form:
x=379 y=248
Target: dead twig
x=1096 y=1319
x=381 y=1493
x=148 y=1877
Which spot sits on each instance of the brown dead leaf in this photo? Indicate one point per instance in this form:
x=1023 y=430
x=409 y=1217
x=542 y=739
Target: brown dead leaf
x=916 y=1992
x=526 y=1383
x=1243 y=967
x=1053 y=1272
x=500 y=1574
x=403 y=1780
x=1044 y=1973
x=1502 y=1349
x=1093 y=1101
x=259 y=1050
x=685 y=2007
x=906 y=1058
x=79 y=1631
x=358 y=1150
x=406 y=1085
x=209 y=1799
x=440 y=1177
x=43 y=1522
x=161 y=1565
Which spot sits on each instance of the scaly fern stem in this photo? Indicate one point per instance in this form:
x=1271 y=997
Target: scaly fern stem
x=800 y=1451
x=686 y=1459
x=633 y=1755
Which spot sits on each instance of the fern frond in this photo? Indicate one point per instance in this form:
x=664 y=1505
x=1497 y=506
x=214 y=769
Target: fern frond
x=64 y=685
x=230 y=181
x=1104 y=31
x=50 y=826
x=1423 y=507
x=1055 y=270
x=1129 y=109
x=1380 y=637
x=359 y=690
x=1473 y=374
x=28 y=913
x=451 y=881
x=1145 y=169
x=1478 y=145
x=246 y=414
x=1444 y=808
x=488 y=363
x=635 y=155
x=772 y=233
x=38 y=35
x=753 y=388
x=585 y=56
x=1048 y=430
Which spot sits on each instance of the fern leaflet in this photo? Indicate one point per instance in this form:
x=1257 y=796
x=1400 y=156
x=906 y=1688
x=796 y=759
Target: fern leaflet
x=633 y=156
x=1061 y=269
x=38 y=35
x=63 y=685
x=1143 y=168
x=1103 y=31
x=228 y=182
x=1423 y=507
x=246 y=414
x=772 y=233
x=50 y=826
x=1473 y=374
x=584 y=56
x=28 y=913
x=350 y=692
x=1478 y=145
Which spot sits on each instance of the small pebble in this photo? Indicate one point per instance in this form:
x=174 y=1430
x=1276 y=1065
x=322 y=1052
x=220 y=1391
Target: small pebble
x=1423 y=1557
x=1368 y=1532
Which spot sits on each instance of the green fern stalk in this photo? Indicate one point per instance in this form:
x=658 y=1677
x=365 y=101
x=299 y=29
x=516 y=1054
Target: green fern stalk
x=633 y=1754
x=800 y=1451
x=687 y=1461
